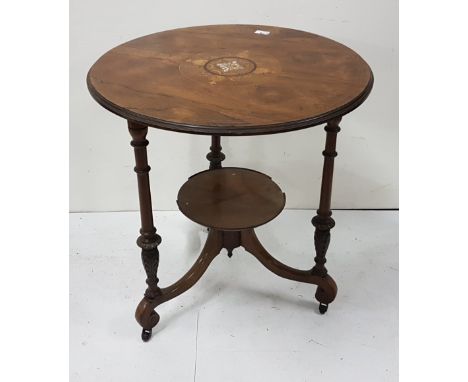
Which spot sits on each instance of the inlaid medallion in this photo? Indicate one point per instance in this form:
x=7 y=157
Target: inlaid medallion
x=230 y=66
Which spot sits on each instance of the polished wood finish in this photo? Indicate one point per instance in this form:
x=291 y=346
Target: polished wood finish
x=148 y=240
x=145 y=314
x=217 y=240
x=230 y=80
x=326 y=285
x=323 y=222
x=215 y=156
x=230 y=198
x=231 y=240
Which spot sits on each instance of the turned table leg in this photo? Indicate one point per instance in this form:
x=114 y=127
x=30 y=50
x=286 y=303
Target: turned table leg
x=148 y=240
x=215 y=156
x=323 y=222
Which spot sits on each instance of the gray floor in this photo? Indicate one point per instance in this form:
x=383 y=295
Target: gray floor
x=240 y=322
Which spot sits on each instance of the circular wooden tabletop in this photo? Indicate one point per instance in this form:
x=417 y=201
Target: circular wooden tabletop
x=230 y=80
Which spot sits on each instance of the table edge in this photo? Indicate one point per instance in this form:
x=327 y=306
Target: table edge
x=233 y=130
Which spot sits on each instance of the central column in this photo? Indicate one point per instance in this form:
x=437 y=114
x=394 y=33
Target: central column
x=215 y=156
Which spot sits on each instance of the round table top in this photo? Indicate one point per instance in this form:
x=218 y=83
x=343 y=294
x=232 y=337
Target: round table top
x=230 y=80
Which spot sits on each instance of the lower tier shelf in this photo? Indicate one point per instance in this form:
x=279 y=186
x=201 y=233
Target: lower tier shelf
x=230 y=199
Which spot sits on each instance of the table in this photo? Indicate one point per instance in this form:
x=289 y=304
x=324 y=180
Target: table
x=230 y=80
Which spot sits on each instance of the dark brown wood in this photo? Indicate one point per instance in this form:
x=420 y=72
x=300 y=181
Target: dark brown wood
x=148 y=240
x=231 y=240
x=145 y=314
x=323 y=222
x=326 y=284
x=217 y=240
x=230 y=80
x=230 y=198
x=215 y=156
x=229 y=201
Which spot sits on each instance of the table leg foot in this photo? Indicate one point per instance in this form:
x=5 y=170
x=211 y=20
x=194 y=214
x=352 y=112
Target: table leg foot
x=326 y=293
x=146 y=334
x=323 y=308
x=146 y=317
x=145 y=314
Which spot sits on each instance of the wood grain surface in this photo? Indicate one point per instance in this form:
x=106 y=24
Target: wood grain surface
x=230 y=198
x=230 y=80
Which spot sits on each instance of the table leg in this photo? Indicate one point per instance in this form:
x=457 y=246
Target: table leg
x=145 y=313
x=215 y=156
x=252 y=245
x=323 y=221
x=148 y=240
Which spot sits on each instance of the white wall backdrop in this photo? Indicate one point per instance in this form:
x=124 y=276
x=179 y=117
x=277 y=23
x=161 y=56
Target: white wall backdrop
x=366 y=169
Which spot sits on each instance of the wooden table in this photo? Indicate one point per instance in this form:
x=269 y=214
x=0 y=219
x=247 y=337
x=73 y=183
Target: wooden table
x=230 y=80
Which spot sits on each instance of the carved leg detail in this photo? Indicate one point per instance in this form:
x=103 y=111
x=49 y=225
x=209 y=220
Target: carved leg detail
x=321 y=241
x=215 y=156
x=150 y=260
x=148 y=240
x=145 y=314
x=323 y=222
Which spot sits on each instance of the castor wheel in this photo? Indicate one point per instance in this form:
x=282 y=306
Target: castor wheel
x=146 y=335
x=323 y=308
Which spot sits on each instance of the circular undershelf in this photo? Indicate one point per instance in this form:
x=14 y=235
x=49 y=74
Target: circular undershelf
x=230 y=199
